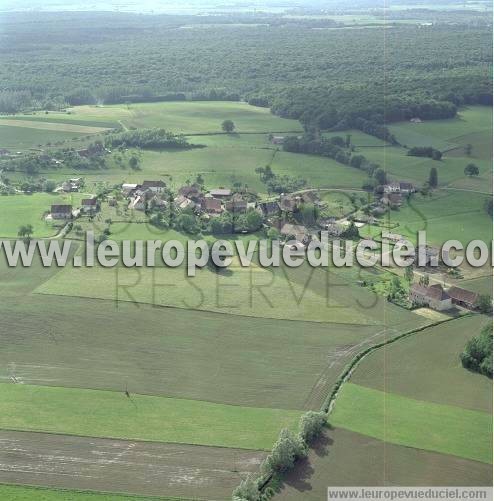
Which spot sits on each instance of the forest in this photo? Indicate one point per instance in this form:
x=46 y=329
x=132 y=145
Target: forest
x=327 y=78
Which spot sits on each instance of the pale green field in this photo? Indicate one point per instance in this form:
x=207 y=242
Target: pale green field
x=97 y=413
x=445 y=134
x=189 y=117
x=414 y=423
x=445 y=215
x=18 y=210
x=51 y=126
x=24 y=138
x=252 y=291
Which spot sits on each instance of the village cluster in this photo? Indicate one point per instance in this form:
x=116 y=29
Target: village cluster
x=280 y=214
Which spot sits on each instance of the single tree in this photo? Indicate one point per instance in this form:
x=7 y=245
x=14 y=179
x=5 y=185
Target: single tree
x=433 y=180
x=228 y=126
x=471 y=170
x=25 y=232
x=468 y=149
x=409 y=274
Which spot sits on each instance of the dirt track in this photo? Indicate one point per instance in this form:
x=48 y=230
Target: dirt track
x=123 y=466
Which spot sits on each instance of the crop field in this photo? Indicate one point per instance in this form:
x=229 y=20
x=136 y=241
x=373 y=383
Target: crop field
x=415 y=423
x=435 y=353
x=343 y=457
x=23 y=209
x=122 y=466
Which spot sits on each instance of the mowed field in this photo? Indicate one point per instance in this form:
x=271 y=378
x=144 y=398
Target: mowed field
x=431 y=403
x=473 y=126
x=23 y=209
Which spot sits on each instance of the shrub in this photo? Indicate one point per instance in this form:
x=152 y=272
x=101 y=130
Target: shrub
x=477 y=355
x=310 y=425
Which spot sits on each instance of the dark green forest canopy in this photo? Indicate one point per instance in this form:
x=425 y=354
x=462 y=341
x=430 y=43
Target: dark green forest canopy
x=318 y=75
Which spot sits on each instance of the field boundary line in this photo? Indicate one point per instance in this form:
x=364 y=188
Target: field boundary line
x=143 y=440
x=348 y=371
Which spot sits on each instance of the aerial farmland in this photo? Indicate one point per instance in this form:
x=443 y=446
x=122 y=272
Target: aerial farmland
x=137 y=383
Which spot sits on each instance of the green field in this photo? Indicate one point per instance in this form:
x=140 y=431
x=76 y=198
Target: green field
x=23 y=209
x=187 y=117
x=24 y=138
x=343 y=457
x=110 y=414
x=446 y=214
x=436 y=374
x=22 y=493
x=414 y=423
x=447 y=134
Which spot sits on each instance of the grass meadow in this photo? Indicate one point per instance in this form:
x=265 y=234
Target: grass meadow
x=27 y=493
x=436 y=374
x=97 y=413
x=414 y=423
x=21 y=209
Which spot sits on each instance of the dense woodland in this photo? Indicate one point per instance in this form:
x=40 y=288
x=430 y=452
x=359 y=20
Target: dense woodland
x=301 y=68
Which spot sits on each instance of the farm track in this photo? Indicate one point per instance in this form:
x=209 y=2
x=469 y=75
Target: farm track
x=145 y=468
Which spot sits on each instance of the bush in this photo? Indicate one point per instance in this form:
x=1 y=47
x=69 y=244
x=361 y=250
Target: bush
x=248 y=490
x=311 y=425
x=286 y=450
x=477 y=355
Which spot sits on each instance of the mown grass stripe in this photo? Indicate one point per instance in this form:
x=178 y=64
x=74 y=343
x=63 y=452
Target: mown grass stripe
x=414 y=423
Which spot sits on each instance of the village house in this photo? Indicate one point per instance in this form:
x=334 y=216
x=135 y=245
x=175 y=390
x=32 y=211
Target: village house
x=402 y=187
x=237 y=204
x=407 y=188
x=289 y=203
x=181 y=202
x=221 y=193
x=434 y=297
x=153 y=186
x=392 y=199
x=279 y=140
x=89 y=205
x=298 y=231
x=128 y=188
x=4 y=152
x=61 y=211
x=416 y=120
x=138 y=203
x=269 y=209
x=212 y=206
x=193 y=192
x=464 y=298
